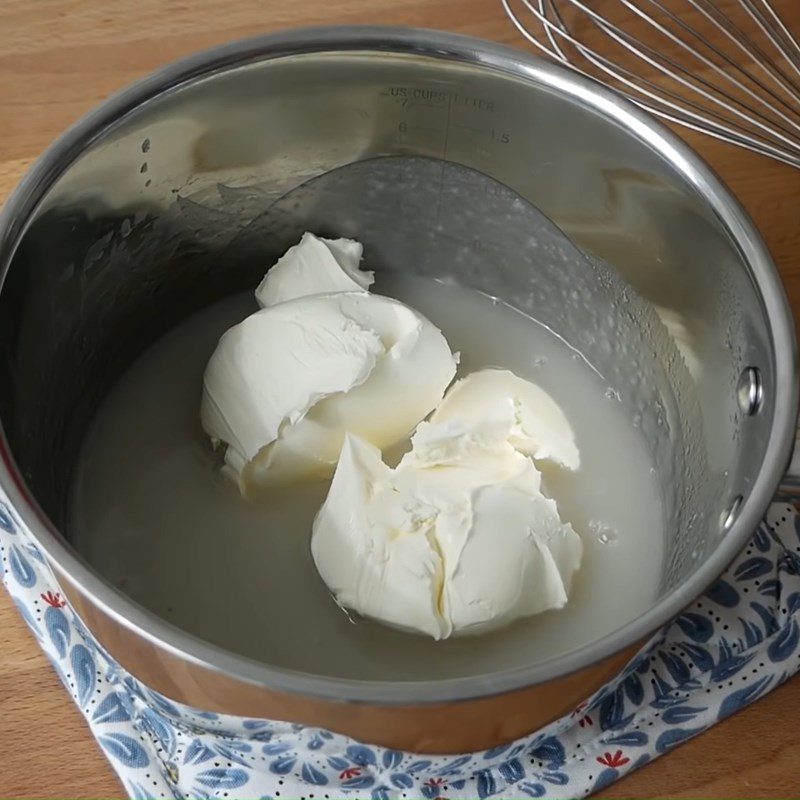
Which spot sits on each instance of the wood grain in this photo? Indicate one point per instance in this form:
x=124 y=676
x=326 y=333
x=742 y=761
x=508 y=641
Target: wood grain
x=58 y=58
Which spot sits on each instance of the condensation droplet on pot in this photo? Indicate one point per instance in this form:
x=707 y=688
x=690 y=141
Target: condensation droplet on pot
x=539 y=361
x=613 y=394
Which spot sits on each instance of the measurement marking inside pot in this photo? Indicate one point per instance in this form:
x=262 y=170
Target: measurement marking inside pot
x=444 y=158
x=481 y=131
x=408 y=105
x=411 y=126
x=409 y=96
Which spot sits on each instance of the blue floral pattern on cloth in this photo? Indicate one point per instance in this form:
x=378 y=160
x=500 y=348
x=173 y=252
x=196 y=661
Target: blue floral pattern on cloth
x=735 y=644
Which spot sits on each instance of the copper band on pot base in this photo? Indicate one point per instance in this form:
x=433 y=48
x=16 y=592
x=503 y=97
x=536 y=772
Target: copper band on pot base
x=455 y=727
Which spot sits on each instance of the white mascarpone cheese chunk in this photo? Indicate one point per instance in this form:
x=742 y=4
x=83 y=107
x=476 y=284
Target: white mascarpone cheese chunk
x=374 y=546
x=457 y=539
x=539 y=427
x=285 y=385
x=314 y=266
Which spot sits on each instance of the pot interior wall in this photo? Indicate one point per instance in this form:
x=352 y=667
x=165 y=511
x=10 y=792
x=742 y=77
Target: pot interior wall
x=441 y=168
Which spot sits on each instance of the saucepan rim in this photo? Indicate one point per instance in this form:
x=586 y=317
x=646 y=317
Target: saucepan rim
x=23 y=202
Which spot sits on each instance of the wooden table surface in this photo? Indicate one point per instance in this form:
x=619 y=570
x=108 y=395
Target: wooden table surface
x=58 y=58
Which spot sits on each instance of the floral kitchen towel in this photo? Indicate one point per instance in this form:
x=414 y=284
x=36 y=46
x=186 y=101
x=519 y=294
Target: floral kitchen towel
x=735 y=644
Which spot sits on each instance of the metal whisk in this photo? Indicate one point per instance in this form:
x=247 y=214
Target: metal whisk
x=728 y=68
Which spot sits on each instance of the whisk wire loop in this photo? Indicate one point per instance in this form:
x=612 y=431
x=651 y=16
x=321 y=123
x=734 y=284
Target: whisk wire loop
x=733 y=74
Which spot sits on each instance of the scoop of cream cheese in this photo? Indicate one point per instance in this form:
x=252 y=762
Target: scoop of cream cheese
x=284 y=386
x=314 y=266
x=539 y=427
x=457 y=539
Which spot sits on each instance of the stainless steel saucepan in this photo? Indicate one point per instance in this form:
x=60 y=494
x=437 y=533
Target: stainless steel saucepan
x=447 y=156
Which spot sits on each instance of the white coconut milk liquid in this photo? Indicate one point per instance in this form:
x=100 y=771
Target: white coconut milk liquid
x=152 y=513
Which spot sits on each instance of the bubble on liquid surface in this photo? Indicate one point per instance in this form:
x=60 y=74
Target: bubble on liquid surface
x=603 y=532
